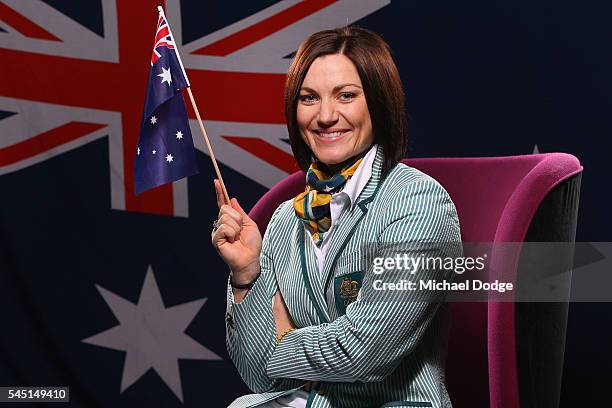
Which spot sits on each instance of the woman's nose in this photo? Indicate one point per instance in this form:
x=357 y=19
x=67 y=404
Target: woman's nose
x=327 y=113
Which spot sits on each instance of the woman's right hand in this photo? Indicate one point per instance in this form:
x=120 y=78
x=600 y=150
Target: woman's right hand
x=236 y=239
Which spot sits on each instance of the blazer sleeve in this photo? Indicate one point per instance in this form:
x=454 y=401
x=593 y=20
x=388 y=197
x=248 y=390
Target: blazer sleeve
x=378 y=330
x=250 y=328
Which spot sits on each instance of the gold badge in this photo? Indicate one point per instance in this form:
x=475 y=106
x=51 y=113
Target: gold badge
x=348 y=291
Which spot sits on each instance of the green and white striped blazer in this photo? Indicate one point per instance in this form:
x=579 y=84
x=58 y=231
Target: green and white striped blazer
x=373 y=352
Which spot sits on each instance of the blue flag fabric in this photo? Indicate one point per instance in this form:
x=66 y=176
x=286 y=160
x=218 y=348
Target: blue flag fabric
x=165 y=150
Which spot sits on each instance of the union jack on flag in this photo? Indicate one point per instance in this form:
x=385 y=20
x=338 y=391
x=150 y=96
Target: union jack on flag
x=163 y=38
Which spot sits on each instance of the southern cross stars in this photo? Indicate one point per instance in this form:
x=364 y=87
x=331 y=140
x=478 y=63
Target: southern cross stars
x=165 y=75
x=179 y=136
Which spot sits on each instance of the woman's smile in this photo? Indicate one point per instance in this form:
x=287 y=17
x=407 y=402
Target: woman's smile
x=330 y=135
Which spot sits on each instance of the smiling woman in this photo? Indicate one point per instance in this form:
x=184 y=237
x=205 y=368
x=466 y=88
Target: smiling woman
x=305 y=325
x=345 y=79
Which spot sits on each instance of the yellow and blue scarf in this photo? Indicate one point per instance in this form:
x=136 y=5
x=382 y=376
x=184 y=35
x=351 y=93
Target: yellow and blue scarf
x=312 y=206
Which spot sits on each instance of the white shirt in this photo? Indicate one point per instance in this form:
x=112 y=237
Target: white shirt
x=339 y=203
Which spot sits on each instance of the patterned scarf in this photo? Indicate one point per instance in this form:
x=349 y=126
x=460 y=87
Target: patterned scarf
x=312 y=206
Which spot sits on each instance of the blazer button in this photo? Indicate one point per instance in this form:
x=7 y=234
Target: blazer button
x=230 y=320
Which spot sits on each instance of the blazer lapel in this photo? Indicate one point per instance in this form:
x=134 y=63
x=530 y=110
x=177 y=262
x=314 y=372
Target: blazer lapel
x=311 y=277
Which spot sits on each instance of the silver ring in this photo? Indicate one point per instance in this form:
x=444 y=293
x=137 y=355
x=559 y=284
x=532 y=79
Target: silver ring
x=215 y=225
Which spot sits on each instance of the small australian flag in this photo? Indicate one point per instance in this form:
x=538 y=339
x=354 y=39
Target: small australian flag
x=165 y=150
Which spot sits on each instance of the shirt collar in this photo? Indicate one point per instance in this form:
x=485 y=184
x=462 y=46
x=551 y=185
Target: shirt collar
x=358 y=181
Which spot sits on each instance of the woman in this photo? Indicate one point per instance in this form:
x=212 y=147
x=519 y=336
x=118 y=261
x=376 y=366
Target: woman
x=305 y=324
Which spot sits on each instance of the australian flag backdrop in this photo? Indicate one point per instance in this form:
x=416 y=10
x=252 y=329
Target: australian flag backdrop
x=92 y=274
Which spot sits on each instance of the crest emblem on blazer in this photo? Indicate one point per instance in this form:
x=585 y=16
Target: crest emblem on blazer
x=346 y=289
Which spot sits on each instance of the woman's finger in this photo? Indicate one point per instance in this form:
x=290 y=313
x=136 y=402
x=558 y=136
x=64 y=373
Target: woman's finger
x=227 y=219
x=224 y=232
x=219 y=193
x=231 y=212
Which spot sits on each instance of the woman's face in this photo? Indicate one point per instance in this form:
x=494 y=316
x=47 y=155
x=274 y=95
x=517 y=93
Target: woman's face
x=332 y=112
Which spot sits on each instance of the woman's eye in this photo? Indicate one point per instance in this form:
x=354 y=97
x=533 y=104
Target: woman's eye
x=347 y=96
x=308 y=98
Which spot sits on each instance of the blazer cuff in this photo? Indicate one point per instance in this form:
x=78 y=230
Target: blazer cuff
x=255 y=308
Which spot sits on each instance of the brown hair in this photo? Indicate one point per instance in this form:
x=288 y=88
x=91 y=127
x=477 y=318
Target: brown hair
x=381 y=82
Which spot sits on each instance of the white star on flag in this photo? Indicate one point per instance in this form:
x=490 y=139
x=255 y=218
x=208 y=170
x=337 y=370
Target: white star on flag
x=152 y=335
x=154 y=151
x=169 y=158
x=153 y=120
x=165 y=75
x=179 y=135
x=328 y=188
x=138 y=151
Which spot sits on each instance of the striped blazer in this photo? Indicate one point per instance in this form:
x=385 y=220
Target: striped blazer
x=362 y=347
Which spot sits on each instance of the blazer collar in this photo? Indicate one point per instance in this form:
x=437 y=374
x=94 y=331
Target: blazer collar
x=371 y=186
x=355 y=185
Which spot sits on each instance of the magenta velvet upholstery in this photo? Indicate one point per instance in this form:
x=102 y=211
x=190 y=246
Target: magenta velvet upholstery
x=496 y=199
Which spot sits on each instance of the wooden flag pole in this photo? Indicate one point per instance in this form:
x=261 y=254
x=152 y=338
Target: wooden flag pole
x=197 y=112
x=210 y=150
